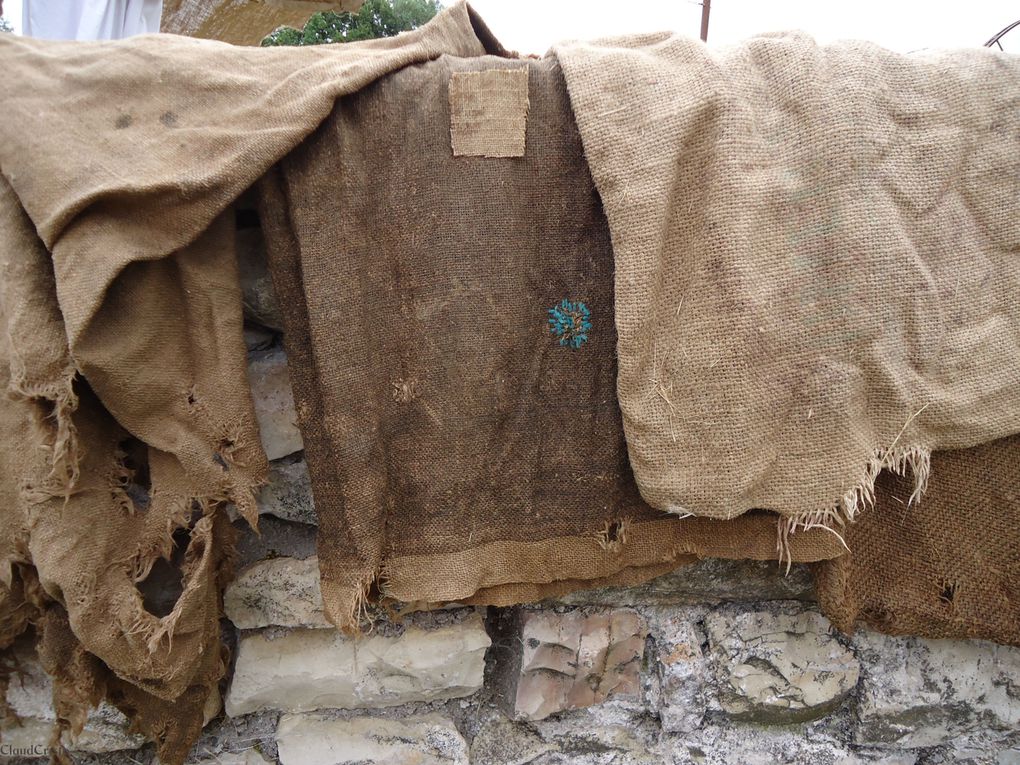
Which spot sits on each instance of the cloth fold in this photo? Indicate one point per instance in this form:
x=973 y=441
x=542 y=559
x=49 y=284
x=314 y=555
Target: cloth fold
x=123 y=364
x=449 y=323
x=816 y=271
x=813 y=281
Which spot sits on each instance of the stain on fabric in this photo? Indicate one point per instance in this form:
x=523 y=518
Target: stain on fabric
x=123 y=121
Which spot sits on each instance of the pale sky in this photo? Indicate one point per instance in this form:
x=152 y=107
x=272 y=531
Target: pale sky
x=531 y=26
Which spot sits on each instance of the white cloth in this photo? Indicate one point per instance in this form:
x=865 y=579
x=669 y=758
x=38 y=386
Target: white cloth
x=90 y=19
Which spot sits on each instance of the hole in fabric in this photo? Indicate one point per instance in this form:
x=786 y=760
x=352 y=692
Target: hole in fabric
x=613 y=532
x=163 y=586
x=222 y=454
x=135 y=459
x=613 y=535
x=133 y=456
x=948 y=593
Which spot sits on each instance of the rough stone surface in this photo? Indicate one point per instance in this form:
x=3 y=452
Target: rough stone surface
x=279 y=591
x=574 y=659
x=256 y=283
x=762 y=745
x=288 y=495
x=681 y=669
x=30 y=695
x=274 y=403
x=227 y=737
x=711 y=580
x=919 y=693
x=980 y=747
x=276 y=538
x=250 y=757
x=309 y=739
x=499 y=741
x=304 y=670
x=258 y=338
x=617 y=732
x=778 y=665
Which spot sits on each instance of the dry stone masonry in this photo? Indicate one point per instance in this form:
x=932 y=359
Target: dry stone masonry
x=719 y=663
x=304 y=670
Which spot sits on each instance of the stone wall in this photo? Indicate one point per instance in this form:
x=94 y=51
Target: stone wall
x=722 y=662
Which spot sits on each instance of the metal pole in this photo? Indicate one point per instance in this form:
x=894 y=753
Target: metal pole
x=995 y=39
x=706 y=6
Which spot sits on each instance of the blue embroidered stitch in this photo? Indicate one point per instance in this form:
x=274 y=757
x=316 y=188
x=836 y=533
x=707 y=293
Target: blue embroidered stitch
x=570 y=322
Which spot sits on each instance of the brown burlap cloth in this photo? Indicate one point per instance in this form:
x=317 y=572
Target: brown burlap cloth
x=128 y=420
x=816 y=270
x=947 y=566
x=459 y=447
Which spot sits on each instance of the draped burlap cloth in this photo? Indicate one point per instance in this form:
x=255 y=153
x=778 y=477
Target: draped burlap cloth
x=127 y=418
x=450 y=330
x=816 y=262
x=947 y=566
x=841 y=300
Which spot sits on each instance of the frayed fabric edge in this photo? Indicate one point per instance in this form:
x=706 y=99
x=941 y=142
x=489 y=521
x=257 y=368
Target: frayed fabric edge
x=64 y=451
x=346 y=606
x=916 y=459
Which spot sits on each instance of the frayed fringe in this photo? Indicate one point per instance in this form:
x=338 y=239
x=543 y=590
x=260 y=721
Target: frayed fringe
x=899 y=460
x=65 y=455
x=347 y=606
x=613 y=535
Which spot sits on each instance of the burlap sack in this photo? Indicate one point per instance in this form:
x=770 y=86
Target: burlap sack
x=131 y=420
x=450 y=334
x=815 y=262
x=947 y=566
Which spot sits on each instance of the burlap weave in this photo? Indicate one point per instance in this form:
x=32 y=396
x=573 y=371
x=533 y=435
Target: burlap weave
x=459 y=448
x=123 y=365
x=489 y=113
x=947 y=566
x=816 y=266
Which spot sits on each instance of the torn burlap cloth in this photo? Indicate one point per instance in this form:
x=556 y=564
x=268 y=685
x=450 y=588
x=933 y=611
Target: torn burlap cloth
x=816 y=262
x=450 y=334
x=129 y=420
x=947 y=566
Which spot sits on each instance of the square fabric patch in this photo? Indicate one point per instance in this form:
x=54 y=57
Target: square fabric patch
x=489 y=113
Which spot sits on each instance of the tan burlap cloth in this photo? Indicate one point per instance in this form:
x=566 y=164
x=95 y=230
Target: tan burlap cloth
x=816 y=262
x=128 y=423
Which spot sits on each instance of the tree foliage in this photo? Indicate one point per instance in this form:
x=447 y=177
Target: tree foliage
x=377 y=18
x=5 y=25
